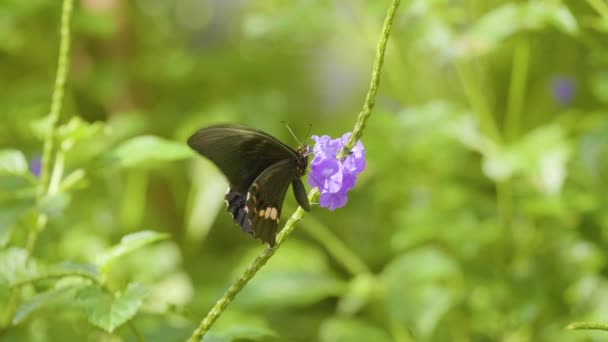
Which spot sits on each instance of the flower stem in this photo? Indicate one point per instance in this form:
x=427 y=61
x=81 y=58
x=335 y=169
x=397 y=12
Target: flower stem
x=45 y=183
x=370 y=99
x=261 y=260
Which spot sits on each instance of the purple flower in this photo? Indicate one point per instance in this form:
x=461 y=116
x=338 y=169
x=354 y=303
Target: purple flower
x=36 y=166
x=563 y=90
x=334 y=177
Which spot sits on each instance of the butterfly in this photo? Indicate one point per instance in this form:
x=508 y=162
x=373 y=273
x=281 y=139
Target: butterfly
x=259 y=169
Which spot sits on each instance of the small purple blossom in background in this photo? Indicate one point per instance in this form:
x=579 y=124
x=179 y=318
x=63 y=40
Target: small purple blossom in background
x=36 y=165
x=563 y=89
x=334 y=177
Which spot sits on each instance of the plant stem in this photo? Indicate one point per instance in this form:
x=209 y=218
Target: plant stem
x=261 y=260
x=57 y=97
x=370 y=99
x=45 y=184
x=517 y=89
x=588 y=326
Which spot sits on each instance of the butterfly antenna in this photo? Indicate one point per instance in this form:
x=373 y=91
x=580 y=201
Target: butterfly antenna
x=293 y=135
x=308 y=132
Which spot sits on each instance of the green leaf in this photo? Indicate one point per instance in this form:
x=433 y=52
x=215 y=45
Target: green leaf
x=109 y=311
x=11 y=212
x=12 y=162
x=42 y=300
x=338 y=329
x=298 y=276
x=88 y=270
x=421 y=286
x=147 y=150
x=15 y=266
x=128 y=244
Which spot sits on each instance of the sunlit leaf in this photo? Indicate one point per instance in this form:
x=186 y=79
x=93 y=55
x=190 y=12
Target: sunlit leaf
x=129 y=244
x=12 y=162
x=15 y=266
x=209 y=186
x=145 y=150
x=109 y=311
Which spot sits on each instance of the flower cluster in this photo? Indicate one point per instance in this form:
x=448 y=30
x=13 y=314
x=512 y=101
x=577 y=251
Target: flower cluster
x=334 y=177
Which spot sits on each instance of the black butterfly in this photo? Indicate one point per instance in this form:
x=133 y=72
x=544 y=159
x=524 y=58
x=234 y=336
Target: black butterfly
x=259 y=169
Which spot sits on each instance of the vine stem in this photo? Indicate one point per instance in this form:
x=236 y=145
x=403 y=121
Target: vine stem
x=313 y=196
x=44 y=183
x=588 y=326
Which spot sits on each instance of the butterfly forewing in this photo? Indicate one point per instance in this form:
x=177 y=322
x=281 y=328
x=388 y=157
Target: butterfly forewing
x=242 y=154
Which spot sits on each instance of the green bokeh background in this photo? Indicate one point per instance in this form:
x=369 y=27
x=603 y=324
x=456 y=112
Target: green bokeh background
x=481 y=216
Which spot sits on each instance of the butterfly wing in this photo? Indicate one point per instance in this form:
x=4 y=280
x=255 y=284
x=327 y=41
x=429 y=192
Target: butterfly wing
x=241 y=153
x=264 y=200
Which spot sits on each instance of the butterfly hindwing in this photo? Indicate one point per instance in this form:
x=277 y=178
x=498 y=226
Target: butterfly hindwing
x=265 y=200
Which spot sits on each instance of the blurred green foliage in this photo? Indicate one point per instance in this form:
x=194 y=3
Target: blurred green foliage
x=482 y=214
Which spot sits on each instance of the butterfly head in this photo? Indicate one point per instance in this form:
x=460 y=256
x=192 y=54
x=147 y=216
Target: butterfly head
x=303 y=152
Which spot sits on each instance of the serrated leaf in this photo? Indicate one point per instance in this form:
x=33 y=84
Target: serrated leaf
x=129 y=243
x=15 y=266
x=107 y=311
x=12 y=162
x=145 y=150
x=40 y=301
x=299 y=277
x=337 y=329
